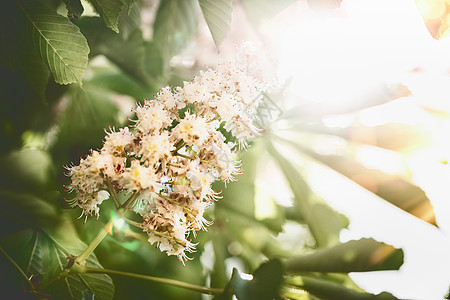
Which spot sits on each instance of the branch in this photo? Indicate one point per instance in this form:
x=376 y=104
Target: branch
x=81 y=260
x=113 y=194
x=18 y=268
x=181 y=284
x=129 y=203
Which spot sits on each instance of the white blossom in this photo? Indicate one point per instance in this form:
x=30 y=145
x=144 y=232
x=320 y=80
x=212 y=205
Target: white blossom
x=138 y=177
x=192 y=130
x=155 y=147
x=116 y=142
x=152 y=117
x=174 y=153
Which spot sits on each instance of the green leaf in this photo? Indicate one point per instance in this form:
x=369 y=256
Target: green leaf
x=154 y=63
x=175 y=23
x=264 y=285
x=39 y=257
x=87 y=114
x=130 y=19
x=377 y=95
x=19 y=53
x=128 y=54
x=27 y=170
x=325 y=223
x=62 y=241
x=392 y=188
x=129 y=4
x=393 y=136
x=327 y=290
x=354 y=256
x=24 y=210
x=74 y=8
x=25 y=179
x=60 y=43
x=237 y=211
x=110 y=11
x=218 y=275
x=120 y=83
x=261 y=10
x=218 y=17
x=33 y=69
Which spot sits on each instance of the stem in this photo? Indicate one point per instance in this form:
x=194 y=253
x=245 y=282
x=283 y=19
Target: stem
x=193 y=158
x=81 y=260
x=168 y=199
x=113 y=193
x=179 y=146
x=172 y=240
x=210 y=163
x=129 y=203
x=185 y=156
x=173 y=201
x=18 y=268
x=181 y=284
x=131 y=222
x=196 y=107
x=60 y=276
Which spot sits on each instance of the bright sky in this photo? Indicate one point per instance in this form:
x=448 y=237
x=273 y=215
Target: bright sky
x=335 y=58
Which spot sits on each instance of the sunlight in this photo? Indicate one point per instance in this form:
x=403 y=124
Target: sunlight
x=119 y=223
x=339 y=59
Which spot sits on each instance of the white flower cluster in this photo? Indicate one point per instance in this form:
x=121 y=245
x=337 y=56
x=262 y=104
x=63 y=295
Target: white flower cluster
x=175 y=151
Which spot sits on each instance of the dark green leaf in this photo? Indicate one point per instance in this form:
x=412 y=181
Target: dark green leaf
x=23 y=58
x=175 y=23
x=218 y=17
x=20 y=53
x=264 y=285
x=354 y=256
x=61 y=45
x=27 y=170
x=267 y=280
x=74 y=8
x=24 y=210
x=128 y=54
x=34 y=70
x=110 y=11
x=324 y=223
x=327 y=290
